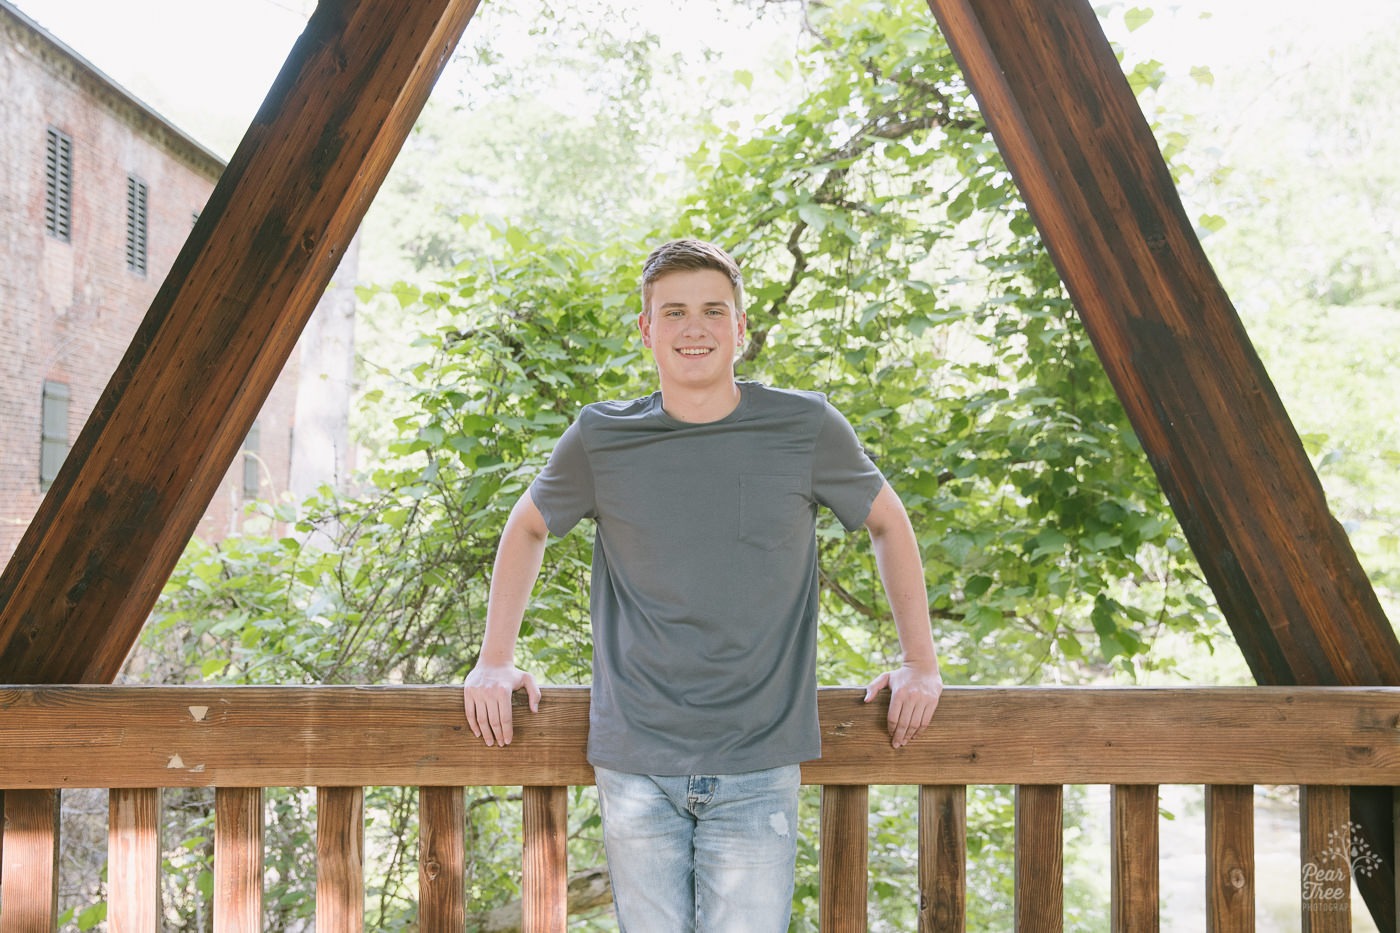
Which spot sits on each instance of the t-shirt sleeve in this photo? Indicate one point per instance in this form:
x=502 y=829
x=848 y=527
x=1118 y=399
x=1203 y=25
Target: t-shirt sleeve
x=844 y=478
x=563 y=490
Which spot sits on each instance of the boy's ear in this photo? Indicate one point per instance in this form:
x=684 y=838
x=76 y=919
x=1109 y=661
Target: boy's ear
x=644 y=325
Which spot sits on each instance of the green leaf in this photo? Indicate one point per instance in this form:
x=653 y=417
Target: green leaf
x=977 y=585
x=961 y=207
x=1137 y=17
x=91 y=916
x=812 y=215
x=212 y=667
x=1146 y=75
x=1211 y=223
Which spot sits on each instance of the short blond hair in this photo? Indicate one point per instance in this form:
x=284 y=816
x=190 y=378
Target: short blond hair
x=687 y=254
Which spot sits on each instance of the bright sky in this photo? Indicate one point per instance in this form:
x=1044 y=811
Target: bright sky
x=201 y=63
x=1217 y=30
x=207 y=64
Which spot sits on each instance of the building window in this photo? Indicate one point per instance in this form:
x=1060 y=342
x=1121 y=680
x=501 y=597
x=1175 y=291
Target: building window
x=54 y=444
x=136 y=225
x=58 y=176
x=252 y=464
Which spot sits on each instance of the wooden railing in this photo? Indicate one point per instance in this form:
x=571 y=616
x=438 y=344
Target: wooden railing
x=136 y=740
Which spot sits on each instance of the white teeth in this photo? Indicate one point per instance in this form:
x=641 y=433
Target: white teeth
x=695 y=352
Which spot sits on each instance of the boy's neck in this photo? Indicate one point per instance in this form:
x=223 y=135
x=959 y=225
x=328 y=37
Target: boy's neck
x=703 y=406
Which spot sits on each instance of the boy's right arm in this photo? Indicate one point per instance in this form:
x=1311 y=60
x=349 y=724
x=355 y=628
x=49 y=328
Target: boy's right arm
x=488 y=688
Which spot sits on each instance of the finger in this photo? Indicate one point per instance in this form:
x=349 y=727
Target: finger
x=491 y=720
x=898 y=722
x=908 y=728
x=919 y=718
x=487 y=731
x=507 y=720
x=532 y=691
x=470 y=706
x=501 y=721
x=876 y=685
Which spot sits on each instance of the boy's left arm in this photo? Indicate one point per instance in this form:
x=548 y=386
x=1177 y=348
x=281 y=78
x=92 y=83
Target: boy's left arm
x=916 y=685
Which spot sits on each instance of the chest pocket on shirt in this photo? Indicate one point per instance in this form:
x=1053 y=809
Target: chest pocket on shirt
x=771 y=507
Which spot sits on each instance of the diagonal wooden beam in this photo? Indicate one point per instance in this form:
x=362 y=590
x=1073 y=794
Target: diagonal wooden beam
x=87 y=572
x=1227 y=455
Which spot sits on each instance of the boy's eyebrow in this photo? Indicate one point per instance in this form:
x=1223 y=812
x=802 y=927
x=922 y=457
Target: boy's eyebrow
x=686 y=304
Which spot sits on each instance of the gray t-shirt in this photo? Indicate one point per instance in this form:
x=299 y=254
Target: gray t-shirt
x=704 y=591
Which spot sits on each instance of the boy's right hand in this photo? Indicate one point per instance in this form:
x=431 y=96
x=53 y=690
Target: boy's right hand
x=486 y=695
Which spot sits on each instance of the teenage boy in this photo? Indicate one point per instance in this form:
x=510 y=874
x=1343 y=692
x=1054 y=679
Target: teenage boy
x=704 y=606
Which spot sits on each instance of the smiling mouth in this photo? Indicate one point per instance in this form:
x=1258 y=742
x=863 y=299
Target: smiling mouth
x=695 y=351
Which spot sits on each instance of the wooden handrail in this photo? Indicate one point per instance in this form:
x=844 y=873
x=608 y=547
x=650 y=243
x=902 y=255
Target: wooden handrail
x=100 y=736
x=137 y=739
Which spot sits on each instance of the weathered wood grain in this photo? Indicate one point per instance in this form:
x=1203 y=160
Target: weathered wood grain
x=441 y=858
x=316 y=736
x=87 y=571
x=340 y=859
x=1325 y=843
x=29 y=872
x=1134 y=888
x=133 y=860
x=238 y=859
x=1040 y=859
x=1230 y=882
x=544 y=887
x=942 y=859
x=843 y=849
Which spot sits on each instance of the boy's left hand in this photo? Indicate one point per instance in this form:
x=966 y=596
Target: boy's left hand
x=914 y=694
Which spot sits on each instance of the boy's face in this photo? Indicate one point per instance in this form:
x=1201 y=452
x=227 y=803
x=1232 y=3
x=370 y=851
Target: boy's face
x=693 y=329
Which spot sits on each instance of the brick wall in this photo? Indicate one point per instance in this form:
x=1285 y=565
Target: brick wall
x=69 y=309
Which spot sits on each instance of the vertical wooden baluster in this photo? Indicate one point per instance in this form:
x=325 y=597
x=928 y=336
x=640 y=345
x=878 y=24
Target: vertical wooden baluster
x=546 y=885
x=1135 y=859
x=1324 y=831
x=844 y=842
x=340 y=859
x=238 y=859
x=29 y=872
x=441 y=858
x=1040 y=876
x=1230 y=858
x=942 y=859
x=133 y=860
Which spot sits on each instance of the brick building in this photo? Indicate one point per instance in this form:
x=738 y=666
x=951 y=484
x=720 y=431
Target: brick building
x=97 y=195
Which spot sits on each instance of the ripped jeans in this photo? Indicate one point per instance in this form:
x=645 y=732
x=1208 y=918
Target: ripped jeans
x=704 y=853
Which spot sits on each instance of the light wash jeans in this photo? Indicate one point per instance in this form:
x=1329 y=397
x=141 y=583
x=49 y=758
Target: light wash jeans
x=707 y=853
